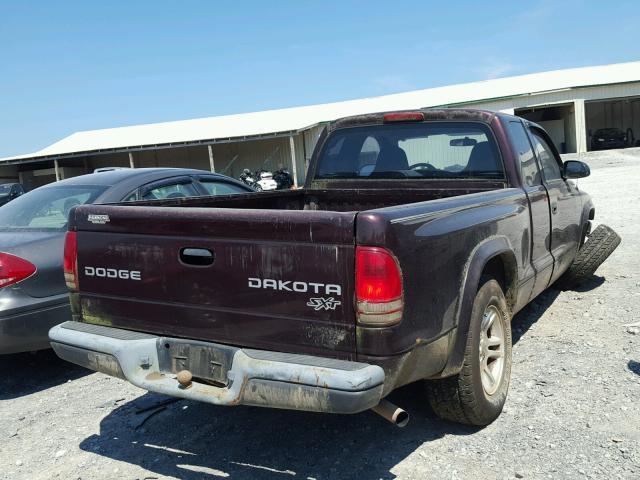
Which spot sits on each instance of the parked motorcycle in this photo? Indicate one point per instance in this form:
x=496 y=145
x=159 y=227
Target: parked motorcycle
x=248 y=178
x=283 y=178
x=264 y=180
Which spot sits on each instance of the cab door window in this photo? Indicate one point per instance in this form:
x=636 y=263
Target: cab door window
x=529 y=171
x=550 y=167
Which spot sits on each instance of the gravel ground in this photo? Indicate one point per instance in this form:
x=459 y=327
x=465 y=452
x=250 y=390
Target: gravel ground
x=572 y=410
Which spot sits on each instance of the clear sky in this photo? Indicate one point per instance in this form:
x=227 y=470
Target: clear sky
x=68 y=66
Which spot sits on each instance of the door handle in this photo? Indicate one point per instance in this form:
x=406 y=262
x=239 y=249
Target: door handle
x=199 y=257
x=554 y=208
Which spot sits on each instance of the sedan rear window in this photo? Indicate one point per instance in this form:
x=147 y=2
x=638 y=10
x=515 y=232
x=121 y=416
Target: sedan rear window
x=46 y=208
x=429 y=150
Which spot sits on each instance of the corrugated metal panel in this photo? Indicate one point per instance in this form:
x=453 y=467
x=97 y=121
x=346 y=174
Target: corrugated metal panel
x=561 y=97
x=311 y=137
x=232 y=158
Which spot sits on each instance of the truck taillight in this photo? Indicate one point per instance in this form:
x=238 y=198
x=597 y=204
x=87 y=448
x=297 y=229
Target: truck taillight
x=14 y=269
x=378 y=287
x=71 y=260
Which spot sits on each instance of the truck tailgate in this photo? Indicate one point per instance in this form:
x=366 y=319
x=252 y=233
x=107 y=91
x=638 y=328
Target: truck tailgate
x=279 y=280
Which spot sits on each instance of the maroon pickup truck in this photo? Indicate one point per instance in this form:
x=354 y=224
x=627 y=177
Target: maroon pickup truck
x=416 y=238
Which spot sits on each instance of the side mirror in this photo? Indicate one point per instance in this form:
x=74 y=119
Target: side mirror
x=575 y=169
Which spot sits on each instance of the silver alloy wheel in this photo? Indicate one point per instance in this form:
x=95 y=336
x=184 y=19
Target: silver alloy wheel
x=491 y=349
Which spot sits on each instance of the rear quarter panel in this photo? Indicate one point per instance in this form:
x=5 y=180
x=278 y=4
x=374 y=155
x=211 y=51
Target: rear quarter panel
x=434 y=242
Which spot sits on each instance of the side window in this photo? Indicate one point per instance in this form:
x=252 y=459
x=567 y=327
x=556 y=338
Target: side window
x=171 y=190
x=132 y=198
x=528 y=166
x=548 y=162
x=214 y=187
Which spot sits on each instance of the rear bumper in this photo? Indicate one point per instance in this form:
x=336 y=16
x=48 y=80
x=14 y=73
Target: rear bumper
x=253 y=377
x=27 y=330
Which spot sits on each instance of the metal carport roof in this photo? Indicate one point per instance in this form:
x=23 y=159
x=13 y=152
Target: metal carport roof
x=290 y=120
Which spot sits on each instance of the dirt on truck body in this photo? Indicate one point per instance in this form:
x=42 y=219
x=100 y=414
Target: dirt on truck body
x=416 y=238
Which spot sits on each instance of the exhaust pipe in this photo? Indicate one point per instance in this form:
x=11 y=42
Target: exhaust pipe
x=392 y=413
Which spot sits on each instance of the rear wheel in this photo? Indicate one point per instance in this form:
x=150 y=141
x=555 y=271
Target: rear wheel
x=478 y=393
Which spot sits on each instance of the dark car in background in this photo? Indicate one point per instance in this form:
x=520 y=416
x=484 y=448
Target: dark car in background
x=33 y=295
x=608 y=138
x=10 y=191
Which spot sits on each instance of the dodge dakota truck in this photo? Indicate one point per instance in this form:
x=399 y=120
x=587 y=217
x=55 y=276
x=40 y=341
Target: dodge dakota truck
x=418 y=235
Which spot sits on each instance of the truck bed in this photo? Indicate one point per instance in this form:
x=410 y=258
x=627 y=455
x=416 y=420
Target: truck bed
x=347 y=199
x=274 y=255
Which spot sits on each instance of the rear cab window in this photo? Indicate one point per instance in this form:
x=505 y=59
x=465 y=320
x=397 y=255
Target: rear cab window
x=416 y=151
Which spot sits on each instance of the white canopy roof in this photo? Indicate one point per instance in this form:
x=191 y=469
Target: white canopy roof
x=299 y=118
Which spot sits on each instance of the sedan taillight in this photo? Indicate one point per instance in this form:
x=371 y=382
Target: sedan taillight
x=14 y=269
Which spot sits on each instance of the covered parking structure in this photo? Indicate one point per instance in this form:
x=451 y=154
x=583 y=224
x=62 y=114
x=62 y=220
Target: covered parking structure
x=558 y=120
x=620 y=113
x=571 y=104
x=224 y=156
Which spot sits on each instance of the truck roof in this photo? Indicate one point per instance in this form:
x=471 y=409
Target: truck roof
x=453 y=114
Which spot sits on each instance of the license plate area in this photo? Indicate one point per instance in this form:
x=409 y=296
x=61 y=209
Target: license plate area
x=205 y=361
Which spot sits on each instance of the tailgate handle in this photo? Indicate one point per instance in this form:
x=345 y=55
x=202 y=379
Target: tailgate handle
x=200 y=257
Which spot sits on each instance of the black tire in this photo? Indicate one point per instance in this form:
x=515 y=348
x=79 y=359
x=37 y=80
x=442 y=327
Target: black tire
x=462 y=398
x=599 y=245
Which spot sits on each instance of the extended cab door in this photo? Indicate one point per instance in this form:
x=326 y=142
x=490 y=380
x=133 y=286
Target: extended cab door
x=564 y=203
x=540 y=267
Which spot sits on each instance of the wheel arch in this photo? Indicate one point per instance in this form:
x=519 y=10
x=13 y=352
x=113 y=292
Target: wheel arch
x=496 y=258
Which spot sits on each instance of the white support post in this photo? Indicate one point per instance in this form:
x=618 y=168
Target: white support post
x=581 y=126
x=132 y=164
x=57 y=169
x=212 y=164
x=294 y=169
